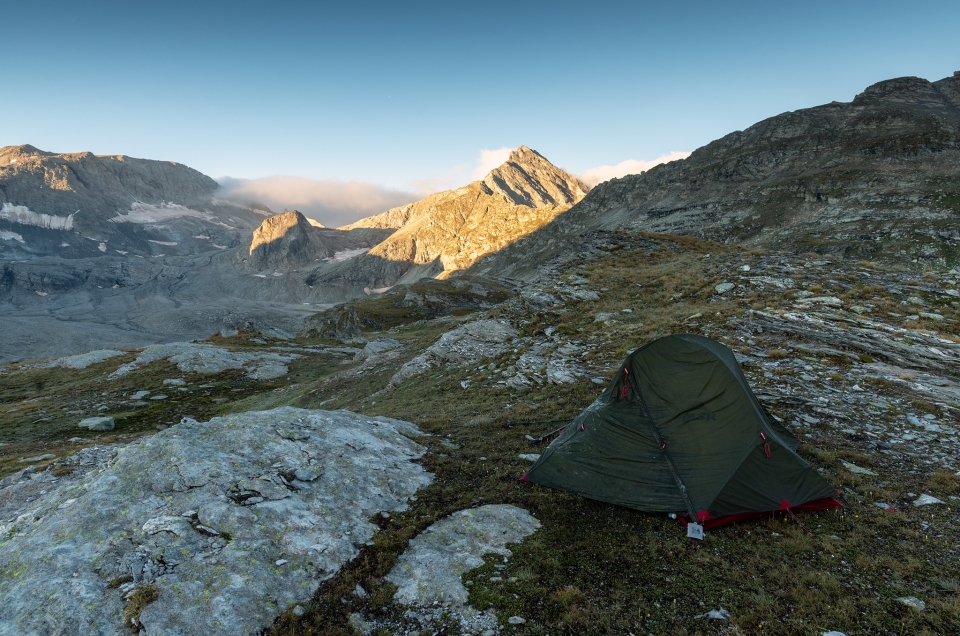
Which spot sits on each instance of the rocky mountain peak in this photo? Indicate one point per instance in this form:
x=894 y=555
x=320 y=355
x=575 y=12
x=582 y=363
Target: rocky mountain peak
x=285 y=240
x=527 y=178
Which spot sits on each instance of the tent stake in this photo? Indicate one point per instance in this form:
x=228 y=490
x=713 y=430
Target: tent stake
x=797 y=519
x=543 y=437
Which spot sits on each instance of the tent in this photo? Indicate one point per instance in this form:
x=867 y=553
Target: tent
x=679 y=430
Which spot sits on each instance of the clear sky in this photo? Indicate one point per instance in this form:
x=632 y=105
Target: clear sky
x=406 y=95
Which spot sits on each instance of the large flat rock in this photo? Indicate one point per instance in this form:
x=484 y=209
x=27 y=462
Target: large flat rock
x=229 y=521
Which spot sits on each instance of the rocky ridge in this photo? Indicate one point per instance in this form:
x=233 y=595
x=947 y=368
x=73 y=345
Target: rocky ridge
x=872 y=178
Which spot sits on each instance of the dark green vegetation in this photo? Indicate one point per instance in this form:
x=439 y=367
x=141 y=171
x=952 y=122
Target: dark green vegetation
x=595 y=568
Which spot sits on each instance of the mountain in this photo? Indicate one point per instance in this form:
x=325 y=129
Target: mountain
x=76 y=205
x=449 y=231
x=875 y=178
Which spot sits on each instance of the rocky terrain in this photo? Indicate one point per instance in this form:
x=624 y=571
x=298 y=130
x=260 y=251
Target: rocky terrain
x=874 y=178
x=858 y=358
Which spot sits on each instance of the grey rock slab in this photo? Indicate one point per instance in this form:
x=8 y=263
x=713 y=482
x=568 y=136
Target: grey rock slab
x=723 y=288
x=926 y=500
x=193 y=357
x=913 y=601
x=36 y=458
x=859 y=470
x=79 y=361
x=464 y=344
x=98 y=423
x=171 y=510
x=376 y=347
x=429 y=569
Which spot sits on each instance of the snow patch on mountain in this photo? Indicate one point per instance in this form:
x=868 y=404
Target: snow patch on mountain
x=25 y=216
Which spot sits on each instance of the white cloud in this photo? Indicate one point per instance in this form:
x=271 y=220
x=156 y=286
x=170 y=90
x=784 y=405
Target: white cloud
x=329 y=201
x=490 y=159
x=593 y=176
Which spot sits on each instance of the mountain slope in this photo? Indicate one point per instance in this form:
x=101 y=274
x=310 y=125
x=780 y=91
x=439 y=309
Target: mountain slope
x=873 y=178
x=449 y=231
x=76 y=205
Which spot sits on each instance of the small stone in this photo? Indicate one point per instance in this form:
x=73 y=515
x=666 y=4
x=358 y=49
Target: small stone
x=298 y=610
x=98 y=423
x=744 y=268
x=926 y=500
x=913 y=601
x=481 y=420
x=530 y=457
x=723 y=288
x=139 y=395
x=360 y=592
x=175 y=382
x=280 y=562
x=833 y=633
x=516 y=620
x=718 y=615
x=858 y=470
x=598 y=380
x=159 y=397
x=931 y=316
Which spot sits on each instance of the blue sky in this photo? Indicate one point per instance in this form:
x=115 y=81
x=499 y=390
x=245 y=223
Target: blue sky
x=407 y=95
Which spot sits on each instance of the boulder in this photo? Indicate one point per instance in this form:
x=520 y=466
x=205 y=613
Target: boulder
x=224 y=523
x=98 y=423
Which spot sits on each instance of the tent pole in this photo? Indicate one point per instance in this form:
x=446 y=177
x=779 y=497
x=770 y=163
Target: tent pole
x=663 y=449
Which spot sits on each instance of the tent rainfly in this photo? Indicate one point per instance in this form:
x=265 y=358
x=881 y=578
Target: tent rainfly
x=679 y=430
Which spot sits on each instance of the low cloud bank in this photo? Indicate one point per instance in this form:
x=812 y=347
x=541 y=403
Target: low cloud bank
x=329 y=201
x=593 y=176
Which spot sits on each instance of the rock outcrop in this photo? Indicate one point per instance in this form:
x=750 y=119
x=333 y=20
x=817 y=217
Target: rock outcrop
x=449 y=231
x=429 y=570
x=873 y=178
x=285 y=241
x=209 y=528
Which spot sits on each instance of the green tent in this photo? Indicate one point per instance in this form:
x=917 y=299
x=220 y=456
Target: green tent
x=679 y=430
